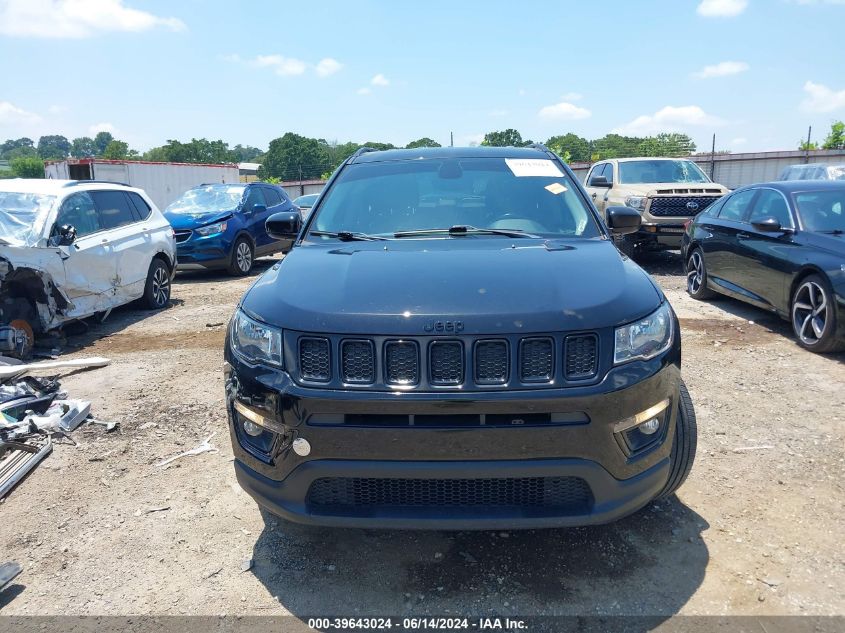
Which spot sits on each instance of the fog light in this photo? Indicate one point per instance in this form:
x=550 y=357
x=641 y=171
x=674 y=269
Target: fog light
x=649 y=427
x=301 y=447
x=252 y=429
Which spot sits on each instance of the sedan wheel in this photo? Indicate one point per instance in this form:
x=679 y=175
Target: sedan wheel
x=242 y=258
x=814 y=316
x=697 y=276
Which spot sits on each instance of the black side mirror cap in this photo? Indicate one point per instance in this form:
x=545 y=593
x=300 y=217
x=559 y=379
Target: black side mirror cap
x=284 y=225
x=67 y=235
x=769 y=225
x=623 y=220
x=600 y=181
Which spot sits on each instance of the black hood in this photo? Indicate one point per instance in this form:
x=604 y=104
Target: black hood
x=492 y=285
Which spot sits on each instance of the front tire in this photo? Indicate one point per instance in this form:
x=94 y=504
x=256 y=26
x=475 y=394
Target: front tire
x=157 y=290
x=697 y=276
x=814 y=316
x=243 y=257
x=684 y=446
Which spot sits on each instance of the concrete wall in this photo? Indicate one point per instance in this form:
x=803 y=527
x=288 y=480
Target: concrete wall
x=296 y=188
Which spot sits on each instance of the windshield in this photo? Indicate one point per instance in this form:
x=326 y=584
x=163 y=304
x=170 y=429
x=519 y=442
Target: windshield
x=306 y=200
x=22 y=217
x=208 y=199
x=822 y=211
x=381 y=199
x=656 y=171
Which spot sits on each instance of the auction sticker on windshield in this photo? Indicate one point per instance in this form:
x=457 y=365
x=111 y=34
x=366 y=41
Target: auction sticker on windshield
x=521 y=167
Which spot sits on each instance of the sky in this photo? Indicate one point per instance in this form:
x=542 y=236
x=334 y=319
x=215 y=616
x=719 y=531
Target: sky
x=756 y=73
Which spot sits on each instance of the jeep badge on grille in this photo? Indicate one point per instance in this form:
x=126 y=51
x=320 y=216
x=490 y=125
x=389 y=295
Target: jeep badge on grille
x=444 y=326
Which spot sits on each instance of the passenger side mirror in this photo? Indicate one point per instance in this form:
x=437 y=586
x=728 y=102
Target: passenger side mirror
x=600 y=181
x=623 y=220
x=284 y=226
x=66 y=235
x=257 y=208
x=768 y=225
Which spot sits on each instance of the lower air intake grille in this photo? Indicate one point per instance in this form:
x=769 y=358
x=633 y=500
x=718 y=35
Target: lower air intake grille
x=402 y=363
x=565 y=494
x=358 y=362
x=446 y=363
x=491 y=362
x=536 y=359
x=182 y=236
x=581 y=356
x=314 y=359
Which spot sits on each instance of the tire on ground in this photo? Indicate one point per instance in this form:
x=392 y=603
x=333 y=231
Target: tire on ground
x=684 y=445
x=157 y=290
x=238 y=266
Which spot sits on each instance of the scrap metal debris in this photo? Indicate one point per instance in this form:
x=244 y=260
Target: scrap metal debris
x=7 y=372
x=8 y=572
x=204 y=447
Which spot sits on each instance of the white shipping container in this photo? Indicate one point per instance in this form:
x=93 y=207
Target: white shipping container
x=163 y=182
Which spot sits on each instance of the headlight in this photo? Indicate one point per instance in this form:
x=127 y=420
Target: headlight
x=256 y=342
x=636 y=202
x=211 y=229
x=645 y=338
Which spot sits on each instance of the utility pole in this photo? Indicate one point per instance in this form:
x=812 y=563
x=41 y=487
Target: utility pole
x=451 y=139
x=807 y=146
x=713 y=159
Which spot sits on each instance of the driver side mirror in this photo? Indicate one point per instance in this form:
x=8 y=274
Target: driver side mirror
x=284 y=226
x=66 y=235
x=600 y=181
x=769 y=225
x=623 y=220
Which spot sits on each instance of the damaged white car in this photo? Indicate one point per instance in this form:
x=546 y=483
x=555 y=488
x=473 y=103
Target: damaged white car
x=71 y=249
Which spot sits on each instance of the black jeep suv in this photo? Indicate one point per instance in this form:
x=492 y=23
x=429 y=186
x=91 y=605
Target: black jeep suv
x=454 y=342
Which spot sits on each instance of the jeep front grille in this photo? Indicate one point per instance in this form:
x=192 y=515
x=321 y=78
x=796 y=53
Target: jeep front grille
x=402 y=360
x=446 y=363
x=677 y=206
x=359 y=363
x=314 y=360
x=581 y=353
x=536 y=359
x=491 y=362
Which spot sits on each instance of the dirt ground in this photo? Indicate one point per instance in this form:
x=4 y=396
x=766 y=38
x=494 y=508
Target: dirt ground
x=757 y=528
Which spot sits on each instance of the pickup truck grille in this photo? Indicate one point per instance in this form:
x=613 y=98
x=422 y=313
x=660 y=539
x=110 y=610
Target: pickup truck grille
x=433 y=363
x=353 y=495
x=677 y=206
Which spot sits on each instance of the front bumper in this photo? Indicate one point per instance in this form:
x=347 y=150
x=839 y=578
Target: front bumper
x=667 y=234
x=212 y=251
x=587 y=448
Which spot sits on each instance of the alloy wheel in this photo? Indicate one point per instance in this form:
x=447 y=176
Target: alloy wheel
x=695 y=273
x=809 y=312
x=244 y=257
x=161 y=286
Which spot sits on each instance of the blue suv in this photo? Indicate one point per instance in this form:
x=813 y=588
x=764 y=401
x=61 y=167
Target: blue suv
x=222 y=225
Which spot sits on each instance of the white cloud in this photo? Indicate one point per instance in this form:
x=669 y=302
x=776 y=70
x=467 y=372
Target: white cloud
x=839 y=2
x=328 y=66
x=364 y=91
x=76 y=18
x=564 y=111
x=722 y=69
x=284 y=66
x=102 y=127
x=380 y=80
x=820 y=98
x=669 y=119
x=721 y=8
x=10 y=114
x=572 y=96
x=57 y=109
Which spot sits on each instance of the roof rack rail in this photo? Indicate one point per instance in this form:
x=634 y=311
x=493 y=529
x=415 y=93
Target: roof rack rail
x=541 y=147
x=73 y=183
x=362 y=150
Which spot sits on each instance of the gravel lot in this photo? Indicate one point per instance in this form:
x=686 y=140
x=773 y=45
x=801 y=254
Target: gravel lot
x=757 y=529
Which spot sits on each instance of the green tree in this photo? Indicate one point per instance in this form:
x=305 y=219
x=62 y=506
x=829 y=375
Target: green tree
x=836 y=138
x=82 y=147
x=293 y=156
x=504 y=138
x=196 y=151
x=379 y=146
x=422 y=142
x=101 y=142
x=116 y=150
x=27 y=167
x=245 y=153
x=803 y=145
x=577 y=147
x=17 y=148
x=53 y=147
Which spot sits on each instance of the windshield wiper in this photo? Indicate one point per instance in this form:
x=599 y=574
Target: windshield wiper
x=460 y=229
x=833 y=232
x=346 y=236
